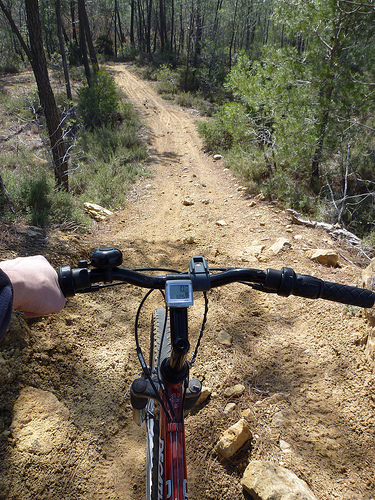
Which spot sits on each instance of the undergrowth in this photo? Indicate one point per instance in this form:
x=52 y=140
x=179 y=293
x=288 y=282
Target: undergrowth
x=106 y=156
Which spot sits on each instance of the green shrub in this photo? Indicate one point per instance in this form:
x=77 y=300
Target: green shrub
x=292 y=192
x=34 y=198
x=25 y=105
x=167 y=81
x=99 y=104
x=230 y=127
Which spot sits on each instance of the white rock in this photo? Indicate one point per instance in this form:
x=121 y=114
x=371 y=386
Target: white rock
x=234 y=391
x=205 y=394
x=284 y=445
x=265 y=481
x=229 y=407
x=233 y=438
x=221 y=223
x=96 y=211
x=281 y=245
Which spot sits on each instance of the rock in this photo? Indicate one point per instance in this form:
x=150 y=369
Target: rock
x=324 y=257
x=229 y=407
x=218 y=157
x=96 y=211
x=189 y=240
x=284 y=446
x=188 y=202
x=205 y=394
x=235 y=391
x=370 y=349
x=225 y=338
x=38 y=423
x=368 y=276
x=31 y=231
x=266 y=481
x=281 y=245
x=233 y=438
x=221 y=223
x=254 y=250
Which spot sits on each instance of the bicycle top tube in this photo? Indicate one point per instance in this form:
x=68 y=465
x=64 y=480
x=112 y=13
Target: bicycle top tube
x=284 y=282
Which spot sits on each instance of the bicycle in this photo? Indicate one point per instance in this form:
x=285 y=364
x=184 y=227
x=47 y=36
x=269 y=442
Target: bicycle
x=164 y=393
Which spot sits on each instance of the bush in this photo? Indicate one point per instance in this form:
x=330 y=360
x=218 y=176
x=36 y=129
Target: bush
x=230 y=127
x=99 y=103
x=168 y=81
x=293 y=193
x=109 y=161
x=35 y=199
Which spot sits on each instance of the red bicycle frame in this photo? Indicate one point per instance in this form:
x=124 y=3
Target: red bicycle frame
x=172 y=475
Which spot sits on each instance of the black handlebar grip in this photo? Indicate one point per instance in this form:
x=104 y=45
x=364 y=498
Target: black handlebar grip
x=72 y=280
x=286 y=282
x=348 y=294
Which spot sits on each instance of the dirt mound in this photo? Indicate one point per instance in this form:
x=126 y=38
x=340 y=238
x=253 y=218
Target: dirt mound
x=302 y=362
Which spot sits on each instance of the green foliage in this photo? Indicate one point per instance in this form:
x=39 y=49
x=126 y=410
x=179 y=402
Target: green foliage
x=34 y=197
x=99 y=103
x=291 y=192
x=168 y=81
x=110 y=160
x=104 y=45
x=127 y=53
x=230 y=128
x=25 y=104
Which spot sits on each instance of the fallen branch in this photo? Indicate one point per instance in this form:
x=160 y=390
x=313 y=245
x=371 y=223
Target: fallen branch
x=335 y=230
x=5 y=139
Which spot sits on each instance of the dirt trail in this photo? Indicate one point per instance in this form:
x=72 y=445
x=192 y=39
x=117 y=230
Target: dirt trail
x=302 y=363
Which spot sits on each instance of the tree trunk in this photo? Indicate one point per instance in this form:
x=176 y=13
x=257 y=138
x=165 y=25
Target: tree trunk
x=62 y=49
x=132 y=16
x=47 y=99
x=73 y=16
x=83 y=49
x=15 y=30
x=84 y=21
x=198 y=34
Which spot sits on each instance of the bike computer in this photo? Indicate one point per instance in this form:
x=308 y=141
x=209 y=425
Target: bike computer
x=179 y=293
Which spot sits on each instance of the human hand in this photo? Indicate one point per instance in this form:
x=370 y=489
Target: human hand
x=36 y=290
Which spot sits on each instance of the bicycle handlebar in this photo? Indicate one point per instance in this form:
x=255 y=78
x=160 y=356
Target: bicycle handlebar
x=285 y=282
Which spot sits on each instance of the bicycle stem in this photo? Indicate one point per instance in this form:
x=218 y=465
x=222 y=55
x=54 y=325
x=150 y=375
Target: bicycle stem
x=175 y=369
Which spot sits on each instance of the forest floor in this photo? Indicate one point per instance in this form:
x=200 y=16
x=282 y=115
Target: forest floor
x=302 y=362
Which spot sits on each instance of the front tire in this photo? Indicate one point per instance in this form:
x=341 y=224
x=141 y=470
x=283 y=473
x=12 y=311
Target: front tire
x=161 y=348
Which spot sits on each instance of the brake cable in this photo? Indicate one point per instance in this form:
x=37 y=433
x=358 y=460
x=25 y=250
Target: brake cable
x=195 y=353
x=146 y=370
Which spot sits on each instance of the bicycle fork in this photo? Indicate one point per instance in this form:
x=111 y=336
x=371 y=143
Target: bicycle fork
x=172 y=477
x=175 y=395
